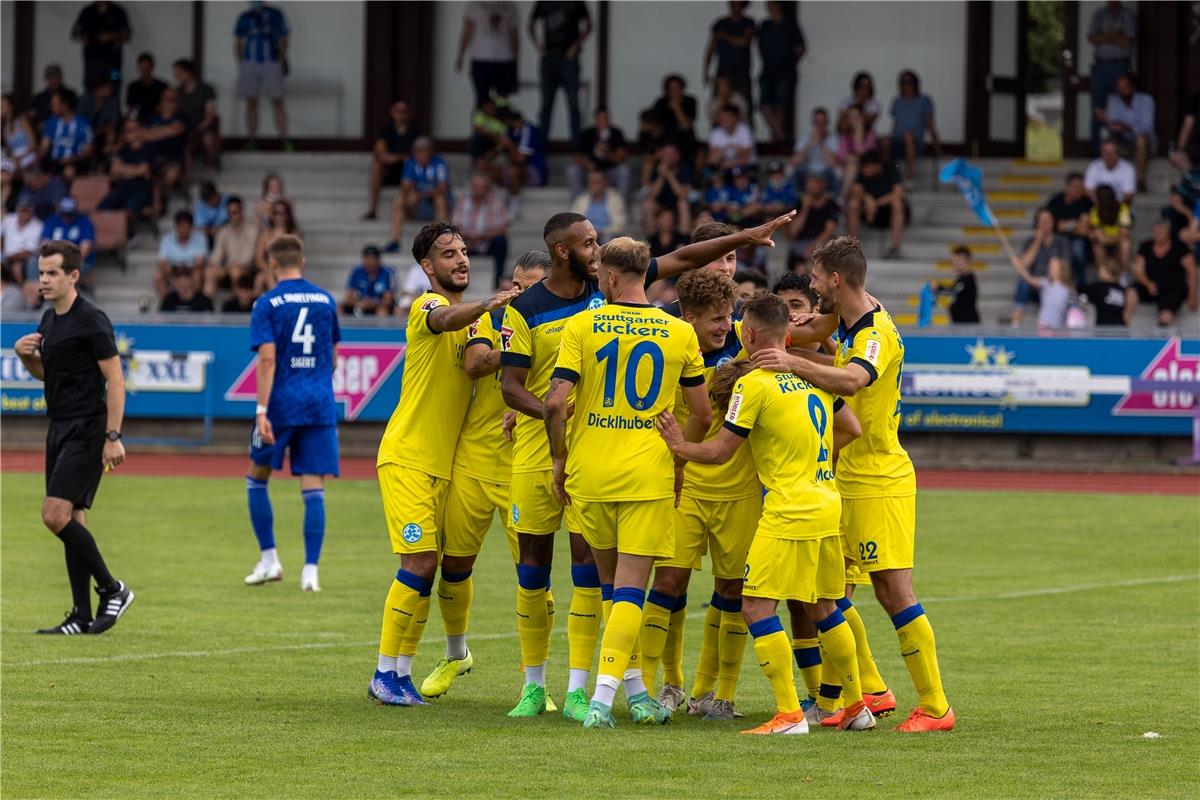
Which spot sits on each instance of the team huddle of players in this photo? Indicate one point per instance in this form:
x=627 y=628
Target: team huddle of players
x=764 y=434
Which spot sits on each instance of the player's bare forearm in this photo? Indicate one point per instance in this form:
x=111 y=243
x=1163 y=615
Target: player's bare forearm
x=115 y=395
x=816 y=328
x=843 y=381
x=555 y=416
x=479 y=361
x=33 y=364
x=460 y=315
x=265 y=373
x=699 y=254
x=699 y=413
x=516 y=396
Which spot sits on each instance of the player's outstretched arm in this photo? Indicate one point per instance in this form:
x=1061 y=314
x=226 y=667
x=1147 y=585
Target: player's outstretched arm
x=555 y=414
x=460 y=315
x=809 y=328
x=717 y=450
x=695 y=256
x=844 y=381
x=29 y=349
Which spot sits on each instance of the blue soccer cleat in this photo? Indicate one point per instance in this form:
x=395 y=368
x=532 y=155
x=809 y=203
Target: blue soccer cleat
x=390 y=689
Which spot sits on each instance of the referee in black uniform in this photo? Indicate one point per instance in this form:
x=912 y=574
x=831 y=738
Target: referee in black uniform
x=75 y=354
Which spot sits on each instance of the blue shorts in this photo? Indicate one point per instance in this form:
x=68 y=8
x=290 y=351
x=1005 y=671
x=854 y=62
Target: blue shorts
x=313 y=449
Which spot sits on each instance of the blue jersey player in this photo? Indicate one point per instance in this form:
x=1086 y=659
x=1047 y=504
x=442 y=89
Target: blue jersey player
x=294 y=329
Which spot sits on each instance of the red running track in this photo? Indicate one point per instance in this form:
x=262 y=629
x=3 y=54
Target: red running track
x=195 y=465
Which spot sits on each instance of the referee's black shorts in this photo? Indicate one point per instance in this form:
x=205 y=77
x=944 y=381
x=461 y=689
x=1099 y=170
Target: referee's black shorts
x=74 y=458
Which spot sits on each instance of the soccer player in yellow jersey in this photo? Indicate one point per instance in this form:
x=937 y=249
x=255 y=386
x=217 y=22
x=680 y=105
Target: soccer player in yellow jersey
x=623 y=361
x=718 y=512
x=875 y=475
x=796 y=552
x=417 y=449
x=478 y=484
x=533 y=326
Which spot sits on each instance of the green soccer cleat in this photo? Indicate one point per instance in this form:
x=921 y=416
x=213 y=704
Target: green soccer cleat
x=645 y=710
x=599 y=716
x=438 y=682
x=575 y=705
x=532 y=702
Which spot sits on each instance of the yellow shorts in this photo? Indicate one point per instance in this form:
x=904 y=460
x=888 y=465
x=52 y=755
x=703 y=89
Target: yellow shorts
x=470 y=507
x=854 y=575
x=414 y=504
x=533 y=507
x=722 y=528
x=879 y=532
x=634 y=527
x=795 y=569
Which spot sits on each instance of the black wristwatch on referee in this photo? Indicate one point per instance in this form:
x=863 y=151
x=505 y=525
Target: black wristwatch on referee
x=113 y=436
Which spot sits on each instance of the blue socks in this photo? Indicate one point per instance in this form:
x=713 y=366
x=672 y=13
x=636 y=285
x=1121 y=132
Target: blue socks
x=262 y=519
x=314 y=524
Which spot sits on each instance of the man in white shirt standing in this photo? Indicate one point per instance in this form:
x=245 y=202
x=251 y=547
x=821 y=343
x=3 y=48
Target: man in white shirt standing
x=22 y=236
x=492 y=33
x=1111 y=170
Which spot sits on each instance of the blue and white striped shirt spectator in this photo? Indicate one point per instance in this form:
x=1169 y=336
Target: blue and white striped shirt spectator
x=68 y=137
x=261 y=28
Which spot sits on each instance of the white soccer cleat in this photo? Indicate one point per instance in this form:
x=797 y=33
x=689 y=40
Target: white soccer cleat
x=265 y=573
x=308 y=579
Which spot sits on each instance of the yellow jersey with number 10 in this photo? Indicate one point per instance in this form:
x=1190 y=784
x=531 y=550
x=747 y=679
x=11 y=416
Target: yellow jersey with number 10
x=483 y=451
x=789 y=423
x=625 y=360
x=875 y=465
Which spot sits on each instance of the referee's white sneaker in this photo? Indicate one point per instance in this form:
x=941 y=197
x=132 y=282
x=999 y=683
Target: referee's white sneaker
x=308 y=579
x=265 y=573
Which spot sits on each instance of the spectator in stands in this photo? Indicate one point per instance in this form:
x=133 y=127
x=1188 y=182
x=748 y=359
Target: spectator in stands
x=669 y=186
x=731 y=144
x=131 y=173
x=1109 y=224
x=716 y=197
x=1185 y=195
x=244 y=295
x=601 y=147
x=371 y=287
x=1165 y=272
x=862 y=97
x=182 y=250
x=198 y=103
x=1111 y=170
x=666 y=237
x=43 y=190
x=565 y=25
x=817 y=219
x=816 y=152
x=676 y=113
x=167 y=136
x=1182 y=155
x=1112 y=33
x=778 y=193
x=1054 y=292
x=12 y=294
x=282 y=223
x=725 y=95
x=1071 y=209
x=1113 y=302
x=603 y=206
x=1191 y=234
x=912 y=118
x=730 y=42
x=878 y=199
x=392 y=147
x=489 y=135
x=743 y=206
x=40 y=104
x=482 y=217
x=272 y=192
x=416 y=282
x=491 y=31
x=211 y=210
x=22 y=232
x=424 y=190
x=1128 y=119
x=261 y=44
x=184 y=295
x=749 y=283
x=102 y=110
x=855 y=140
x=1034 y=259
x=143 y=95
x=71 y=226
x=20 y=140
x=233 y=251
x=66 y=146
x=102 y=28
x=526 y=154
x=781 y=45
x=963 y=289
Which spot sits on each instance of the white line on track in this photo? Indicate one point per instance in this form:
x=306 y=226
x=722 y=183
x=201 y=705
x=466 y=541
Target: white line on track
x=237 y=651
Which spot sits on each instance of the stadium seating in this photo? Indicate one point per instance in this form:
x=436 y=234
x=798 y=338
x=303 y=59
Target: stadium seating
x=88 y=191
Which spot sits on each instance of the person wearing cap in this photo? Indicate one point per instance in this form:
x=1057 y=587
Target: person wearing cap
x=181 y=249
x=70 y=226
x=744 y=205
x=371 y=288
x=40 y=104
x=22 y=234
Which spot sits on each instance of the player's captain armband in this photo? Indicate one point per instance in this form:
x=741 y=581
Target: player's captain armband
x=871 y=351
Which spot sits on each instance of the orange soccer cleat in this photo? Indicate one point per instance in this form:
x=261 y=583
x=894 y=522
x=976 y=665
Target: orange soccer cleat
x=920 y=721
x=880 y=704
x=781 y=723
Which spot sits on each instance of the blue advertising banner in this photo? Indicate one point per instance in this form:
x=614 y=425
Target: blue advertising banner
x=951 y=383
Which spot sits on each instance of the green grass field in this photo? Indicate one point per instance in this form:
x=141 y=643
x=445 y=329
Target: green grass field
x=1067 y=628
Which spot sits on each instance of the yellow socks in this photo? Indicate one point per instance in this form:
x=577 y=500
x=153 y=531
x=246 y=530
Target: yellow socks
x=549 y=621
x=606 y=593
x=868 y=672
x=403 y=597
x=455 y=592
x=808 y=659
x=620 y=637
x=731 y=646
x=533 y=624
x=837 y=648
x=672 y=655
x=656 y=622
x=412 y=636
x=919 y=650
x=775 y=658
x=709 y=663
x=583 y=619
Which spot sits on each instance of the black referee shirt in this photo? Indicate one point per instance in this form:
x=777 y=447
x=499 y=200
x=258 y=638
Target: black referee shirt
x=72 y=343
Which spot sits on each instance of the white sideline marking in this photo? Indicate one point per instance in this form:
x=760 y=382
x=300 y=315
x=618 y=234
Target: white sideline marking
x=236 y=651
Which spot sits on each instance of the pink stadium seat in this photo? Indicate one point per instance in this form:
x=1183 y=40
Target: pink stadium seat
x=88 y=191
x=112 y=233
